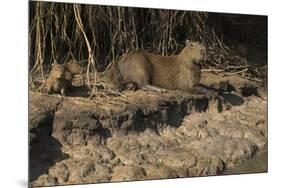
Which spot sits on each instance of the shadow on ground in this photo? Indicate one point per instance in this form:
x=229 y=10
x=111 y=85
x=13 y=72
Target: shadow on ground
x=43 y=156
x=79 y=91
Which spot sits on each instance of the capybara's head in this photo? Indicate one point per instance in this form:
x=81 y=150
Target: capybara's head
x=195 y=51
x=74 y=67
x=57 y=71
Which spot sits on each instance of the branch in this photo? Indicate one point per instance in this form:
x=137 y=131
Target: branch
x=80 y=25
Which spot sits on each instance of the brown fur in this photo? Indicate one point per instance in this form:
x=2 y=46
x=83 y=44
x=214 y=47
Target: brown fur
x=61 y=76
x=56 y=81
x=154 y=72
x=72 y=68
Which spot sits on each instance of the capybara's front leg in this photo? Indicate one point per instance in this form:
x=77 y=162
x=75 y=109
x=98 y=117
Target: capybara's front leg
x=209 y=92
x=63 y=91
x=154 y=88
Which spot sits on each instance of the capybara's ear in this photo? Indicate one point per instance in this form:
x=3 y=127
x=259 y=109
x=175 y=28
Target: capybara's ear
x=53 y=64
x=187 y=42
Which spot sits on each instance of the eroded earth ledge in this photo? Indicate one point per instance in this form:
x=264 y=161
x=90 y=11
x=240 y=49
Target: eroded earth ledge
x=75 y=140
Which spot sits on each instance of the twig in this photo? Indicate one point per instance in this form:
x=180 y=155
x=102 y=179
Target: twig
x=212 y=70
x=253 y=79
x=80 y=25
x=233 y=73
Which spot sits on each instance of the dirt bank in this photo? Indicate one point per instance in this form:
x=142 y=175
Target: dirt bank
x=169 y=135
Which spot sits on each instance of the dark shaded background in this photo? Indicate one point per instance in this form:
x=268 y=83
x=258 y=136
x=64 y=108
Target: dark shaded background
x=233 y=40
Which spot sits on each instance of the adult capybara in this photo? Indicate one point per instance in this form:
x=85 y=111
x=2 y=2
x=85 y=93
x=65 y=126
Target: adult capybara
x=158 y=73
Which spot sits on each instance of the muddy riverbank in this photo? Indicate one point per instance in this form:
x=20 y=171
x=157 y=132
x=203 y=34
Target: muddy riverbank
x=169 y=135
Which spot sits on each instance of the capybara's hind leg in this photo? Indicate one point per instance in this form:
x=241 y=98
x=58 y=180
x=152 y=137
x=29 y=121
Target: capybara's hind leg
x=130 y=86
